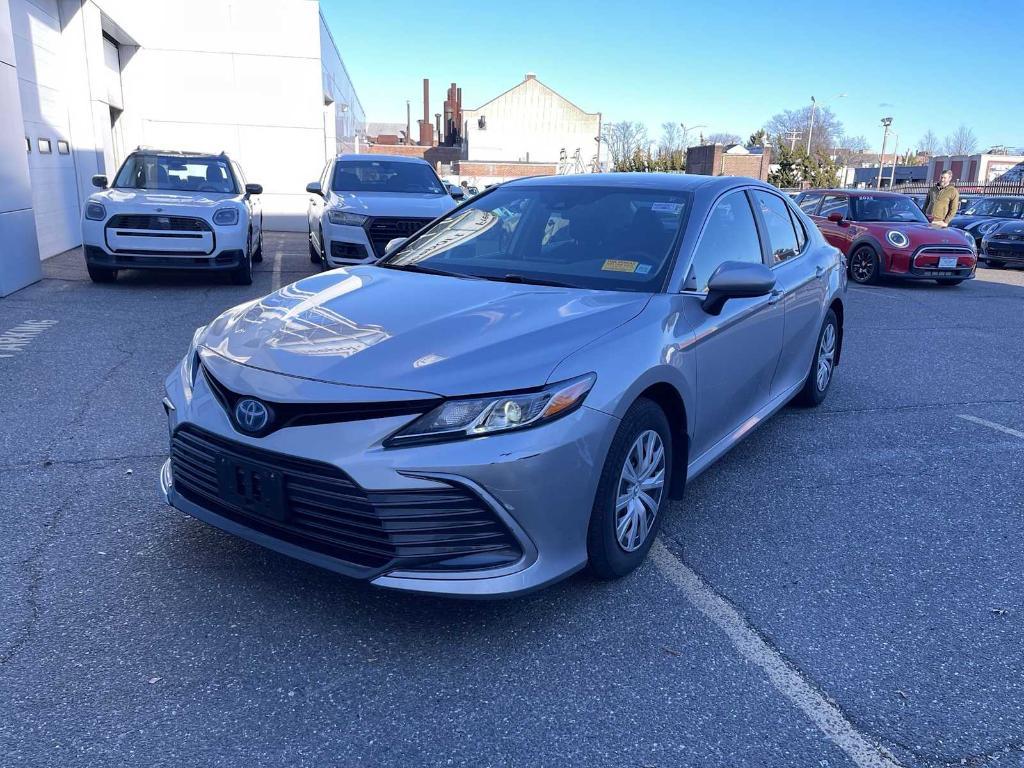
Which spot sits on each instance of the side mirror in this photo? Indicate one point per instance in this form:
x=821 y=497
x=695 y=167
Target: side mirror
x=457 y=193
x=254 y=189
x=394 y=243
x=99 y=180
x=835 y=217
x=737 y=280
x=314 y=188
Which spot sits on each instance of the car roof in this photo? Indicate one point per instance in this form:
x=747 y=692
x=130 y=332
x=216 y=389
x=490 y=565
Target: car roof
x=175 y=152
x=375 y=156
x=858 y=192
x=661 y=181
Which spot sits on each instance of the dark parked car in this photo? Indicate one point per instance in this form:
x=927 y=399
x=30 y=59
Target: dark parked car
x=885 y=234
x=986 y=213
x=1004 y=245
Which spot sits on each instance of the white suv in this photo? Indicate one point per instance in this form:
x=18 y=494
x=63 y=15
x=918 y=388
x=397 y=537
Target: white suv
x=362 y=202
x=173 y=210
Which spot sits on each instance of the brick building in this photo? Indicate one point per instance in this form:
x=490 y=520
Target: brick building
x=731 y=160
x=984 y=168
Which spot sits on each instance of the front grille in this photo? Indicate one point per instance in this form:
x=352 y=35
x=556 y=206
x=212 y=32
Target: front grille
x=157 y=222
x=326 y=511
x=383 y=229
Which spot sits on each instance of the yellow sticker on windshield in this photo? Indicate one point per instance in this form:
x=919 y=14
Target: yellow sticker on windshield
x=620 y=265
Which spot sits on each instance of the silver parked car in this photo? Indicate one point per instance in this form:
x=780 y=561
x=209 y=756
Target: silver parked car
x=516 y=391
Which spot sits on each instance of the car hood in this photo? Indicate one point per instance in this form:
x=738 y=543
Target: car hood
x=167 y=201
x=376 y=327
x=921 y=233
x=405 y=205
x=969 y=222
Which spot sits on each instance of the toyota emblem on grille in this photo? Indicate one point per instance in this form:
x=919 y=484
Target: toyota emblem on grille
x=251 y=415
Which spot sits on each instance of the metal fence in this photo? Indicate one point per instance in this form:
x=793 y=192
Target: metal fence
x=1013 y=188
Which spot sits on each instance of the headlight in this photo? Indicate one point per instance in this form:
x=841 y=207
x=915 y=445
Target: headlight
x=344 y=217
x=897 y=238
x=190 y=365
x=455 y=419
x=95 y=211
x=987 y=226
x=226 y=217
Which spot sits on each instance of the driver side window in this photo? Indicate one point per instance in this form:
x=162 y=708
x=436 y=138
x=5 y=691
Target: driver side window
x=729 y=235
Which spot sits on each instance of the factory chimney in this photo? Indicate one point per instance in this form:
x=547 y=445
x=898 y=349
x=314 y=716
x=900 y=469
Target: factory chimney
x=426 y=129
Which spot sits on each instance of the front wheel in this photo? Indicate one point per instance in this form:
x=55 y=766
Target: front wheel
x=257 y=255
x=864 y=265
x=242 y=274
x=632 y=493
x=823 y=366
x=314 y=254
x=101 y=274
x=995 y=263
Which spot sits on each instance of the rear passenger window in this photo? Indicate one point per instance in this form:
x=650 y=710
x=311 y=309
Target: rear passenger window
x=808 y=203
x=730 y=235
x=801 y=233
x=782 y=242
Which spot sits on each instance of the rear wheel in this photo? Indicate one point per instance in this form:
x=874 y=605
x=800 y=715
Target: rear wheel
x=864 y=265
x=101 y=274
x=819 y=377
x=632 y=493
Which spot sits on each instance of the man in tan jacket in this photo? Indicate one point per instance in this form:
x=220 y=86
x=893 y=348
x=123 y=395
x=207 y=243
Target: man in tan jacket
x=943 y=201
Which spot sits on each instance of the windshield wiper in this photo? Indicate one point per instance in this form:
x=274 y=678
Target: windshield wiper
x=513 y=278
x=416 y=267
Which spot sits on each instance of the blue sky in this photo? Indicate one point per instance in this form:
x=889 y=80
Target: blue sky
x=730 y=66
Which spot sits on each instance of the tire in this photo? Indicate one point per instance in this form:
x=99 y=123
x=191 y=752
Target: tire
x=314 y=254
x=610 y=558
x=949 y=281
x=814 y=392
x=863 y=267
x=101 y=274
x=257 y=255
x=322 y=256
x=242 y=274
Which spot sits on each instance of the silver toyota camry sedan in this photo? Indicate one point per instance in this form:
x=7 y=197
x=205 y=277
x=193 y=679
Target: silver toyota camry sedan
x=515 y=392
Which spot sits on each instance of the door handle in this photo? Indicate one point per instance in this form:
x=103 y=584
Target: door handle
x=774 y=296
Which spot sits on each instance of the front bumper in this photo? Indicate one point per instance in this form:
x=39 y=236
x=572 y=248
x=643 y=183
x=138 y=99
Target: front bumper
x=114 y=247
x=1006 y=251
x=346 y=245
x=520 y=476
x=923 y=264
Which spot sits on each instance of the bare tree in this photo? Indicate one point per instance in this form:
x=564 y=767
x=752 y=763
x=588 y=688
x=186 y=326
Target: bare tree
x=961 y=142
x=929 y=144
x=671 y=138
x=623 y=139
x=849 y=148
x=723 y=138
x=827 y=128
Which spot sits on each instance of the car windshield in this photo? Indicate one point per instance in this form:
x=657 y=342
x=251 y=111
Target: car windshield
x=178 y=173
x=385 y=176
x=1004 y=208
x=606 y=238
x=886 y=208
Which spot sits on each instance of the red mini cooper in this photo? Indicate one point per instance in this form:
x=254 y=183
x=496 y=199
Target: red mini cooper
x=885 y=234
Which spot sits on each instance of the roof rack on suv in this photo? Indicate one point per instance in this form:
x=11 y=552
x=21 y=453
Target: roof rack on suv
x=179 y=152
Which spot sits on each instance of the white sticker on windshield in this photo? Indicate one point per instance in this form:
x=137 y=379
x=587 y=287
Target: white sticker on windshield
x=667 y=207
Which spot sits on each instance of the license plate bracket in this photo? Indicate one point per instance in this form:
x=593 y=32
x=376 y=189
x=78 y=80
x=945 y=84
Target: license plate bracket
x=253 y=488
x=947 y=262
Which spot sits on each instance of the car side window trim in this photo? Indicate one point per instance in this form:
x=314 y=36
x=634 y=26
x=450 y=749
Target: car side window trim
x=763 y=229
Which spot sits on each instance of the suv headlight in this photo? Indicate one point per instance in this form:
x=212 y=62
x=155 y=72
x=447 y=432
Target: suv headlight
x=344 y=217
x=190 y=365
x=455 y=419
x=226 y=217
x=897 y=238
x=95 y=211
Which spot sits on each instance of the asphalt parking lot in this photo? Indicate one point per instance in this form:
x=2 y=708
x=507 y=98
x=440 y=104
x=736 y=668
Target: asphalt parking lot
x=845 y=588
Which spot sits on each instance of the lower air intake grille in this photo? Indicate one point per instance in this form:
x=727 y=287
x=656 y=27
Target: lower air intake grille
x=318 y=507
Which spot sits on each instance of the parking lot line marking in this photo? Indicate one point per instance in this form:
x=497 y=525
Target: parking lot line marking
x=784 y=677
x=275 y=281
x=991 y=425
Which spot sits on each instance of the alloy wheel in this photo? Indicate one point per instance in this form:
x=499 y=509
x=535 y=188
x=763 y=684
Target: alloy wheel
x=639 y=490
x=862 y=265
x=826 y=356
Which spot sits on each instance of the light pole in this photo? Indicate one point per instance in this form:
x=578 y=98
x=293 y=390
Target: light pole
x=895 y=159
x=686 y=132
x=886 y=122
x=810 y=128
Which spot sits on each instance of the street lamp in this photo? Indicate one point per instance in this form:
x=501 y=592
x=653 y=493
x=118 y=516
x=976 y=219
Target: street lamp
x=895 y=159
x=686 y=132
x=886 y=122
x=810 y=128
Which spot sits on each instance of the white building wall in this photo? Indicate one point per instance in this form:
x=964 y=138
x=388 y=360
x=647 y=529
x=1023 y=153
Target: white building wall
x=531 y=123
x=19 y=260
